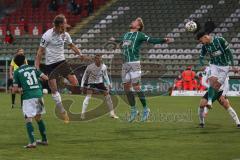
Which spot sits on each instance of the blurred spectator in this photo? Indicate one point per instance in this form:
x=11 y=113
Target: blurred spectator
x=8 y=38
x=23 y=23
x=188 y=76
x=71 y=6
x=78 y=10
x=195 y=84
x=201 y=87
x=35 y=4
x=90 y=7
x=178 y=83
x=53 y=6
x=35 y=31
x=61 y=2
x=17 y=31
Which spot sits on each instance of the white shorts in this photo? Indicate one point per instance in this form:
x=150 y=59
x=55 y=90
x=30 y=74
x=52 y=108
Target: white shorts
x=221 y=72
x=32 y=107
x=131 y=72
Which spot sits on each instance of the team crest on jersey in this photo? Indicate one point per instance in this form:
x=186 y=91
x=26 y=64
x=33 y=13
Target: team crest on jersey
x=127 y=43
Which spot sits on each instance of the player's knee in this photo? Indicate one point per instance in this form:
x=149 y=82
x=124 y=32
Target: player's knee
x=73 y=80
x=127 y=86
x=38 y=118
x=28 y=119
x=57 y=97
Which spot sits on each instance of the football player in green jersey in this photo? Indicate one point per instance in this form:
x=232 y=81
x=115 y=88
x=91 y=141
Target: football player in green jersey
x=221 y=59
x=131 y=68
x=28 y=78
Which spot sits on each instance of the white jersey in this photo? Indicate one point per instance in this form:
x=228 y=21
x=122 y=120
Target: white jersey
x=224 y=87
x=94 y=75
x=54 y=45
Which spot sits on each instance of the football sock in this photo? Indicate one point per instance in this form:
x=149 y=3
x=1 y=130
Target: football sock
x=142 y=98
x=109 y=103
x=85 y=103
x=58 y=100
x=13 y=98
x=233 y=114
x=131 y=98
x=42 y=130
x=201 y=116
x=30 y=131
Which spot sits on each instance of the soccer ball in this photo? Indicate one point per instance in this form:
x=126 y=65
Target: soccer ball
x=191 y=26
x=45 y=91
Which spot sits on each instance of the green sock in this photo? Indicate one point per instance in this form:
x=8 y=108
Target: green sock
x=142 y=98
x=30 y=131
x=211 y=93
x=42 y=130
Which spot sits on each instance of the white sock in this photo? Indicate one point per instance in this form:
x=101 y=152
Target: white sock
x=110 y=104
x=200 y=114
x=85 y=103
x=206 y=110
x=233 y=114
x=58 y=100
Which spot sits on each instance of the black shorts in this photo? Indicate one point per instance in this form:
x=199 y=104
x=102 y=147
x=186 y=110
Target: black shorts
x=61 y=68
x=97 y=86
x=216 y=97
x=9 y=83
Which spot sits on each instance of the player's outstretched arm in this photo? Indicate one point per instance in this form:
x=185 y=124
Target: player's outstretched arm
x=38 y=59
x=44 y=77
x=144 y=37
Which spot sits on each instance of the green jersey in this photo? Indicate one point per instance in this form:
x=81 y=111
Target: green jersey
x=219 y=52
x=131 y=43
x=27 y=77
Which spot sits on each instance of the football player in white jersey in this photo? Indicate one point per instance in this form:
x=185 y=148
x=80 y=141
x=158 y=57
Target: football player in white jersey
x=94 y=77
x=220 y=96
x=52 y=44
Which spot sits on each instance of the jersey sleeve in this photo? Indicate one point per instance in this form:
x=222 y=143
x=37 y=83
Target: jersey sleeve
x=68 y=38
x=145 y=38
x=225 y=47
x=16 y=81
x=202 y=54
x=44 y=41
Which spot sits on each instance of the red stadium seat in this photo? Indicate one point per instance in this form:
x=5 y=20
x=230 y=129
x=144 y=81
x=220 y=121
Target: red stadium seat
x=3 y=29
x=35 y=29
x=17 y=30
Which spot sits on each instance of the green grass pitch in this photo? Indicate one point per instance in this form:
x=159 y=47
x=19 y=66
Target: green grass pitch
x=171 y=133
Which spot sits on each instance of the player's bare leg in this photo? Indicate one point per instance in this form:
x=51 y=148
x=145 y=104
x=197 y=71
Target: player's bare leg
x=58 y=100
x=142 y=98
x=86 y=102
x=42 y=130
x=110 y=104
x=213 y=89
x=73 y=83
x=226 y=104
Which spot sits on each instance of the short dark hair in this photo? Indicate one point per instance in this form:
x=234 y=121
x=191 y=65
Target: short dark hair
x=19 y=59
x=59 y=19
x=201 y=34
